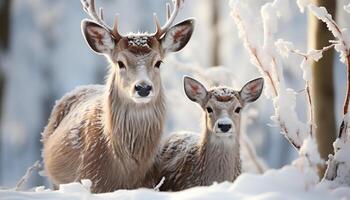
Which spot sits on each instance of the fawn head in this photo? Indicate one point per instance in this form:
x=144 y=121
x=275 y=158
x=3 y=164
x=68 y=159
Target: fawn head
x=136 y=56
x=223 y=105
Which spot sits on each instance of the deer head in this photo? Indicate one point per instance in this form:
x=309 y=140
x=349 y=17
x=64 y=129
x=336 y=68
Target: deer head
x=136 y=57
x=223 y=105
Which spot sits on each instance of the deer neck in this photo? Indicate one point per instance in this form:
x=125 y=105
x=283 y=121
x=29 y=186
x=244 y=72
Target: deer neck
x=219 y=158
x=134 y=130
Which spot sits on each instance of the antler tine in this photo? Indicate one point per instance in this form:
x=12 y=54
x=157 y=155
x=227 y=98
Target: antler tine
x=156 y=21
x=170 y=19
x=101 y=13
x=115 y=31
x=168 y=11
x=90 y=9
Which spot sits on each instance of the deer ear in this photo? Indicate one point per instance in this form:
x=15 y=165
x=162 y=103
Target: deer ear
x=194 y=90
x=98 y=37
x=252 y=90
x=177 y=36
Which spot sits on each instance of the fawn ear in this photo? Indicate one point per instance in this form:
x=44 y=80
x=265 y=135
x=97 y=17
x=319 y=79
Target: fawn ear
x=252 y=90
x=98 y=37
x=194 y=90
x=177 y=36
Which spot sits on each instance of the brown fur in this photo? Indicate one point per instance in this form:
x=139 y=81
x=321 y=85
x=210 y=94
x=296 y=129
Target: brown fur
x=186 y=160
x=110 y=134
x=116 y=138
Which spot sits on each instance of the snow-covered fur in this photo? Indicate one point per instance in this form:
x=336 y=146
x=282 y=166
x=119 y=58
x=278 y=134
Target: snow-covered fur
x=186 y=159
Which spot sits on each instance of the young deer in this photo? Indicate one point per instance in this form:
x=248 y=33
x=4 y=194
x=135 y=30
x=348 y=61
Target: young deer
x=186 y=160
x=110 y=133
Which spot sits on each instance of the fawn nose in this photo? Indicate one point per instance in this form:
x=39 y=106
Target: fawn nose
x=143 y=89
x=224 y=127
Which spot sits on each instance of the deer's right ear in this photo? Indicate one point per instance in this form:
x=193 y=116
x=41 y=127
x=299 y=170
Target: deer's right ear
x=177 y=36
x=98 y=37
x=194 y=90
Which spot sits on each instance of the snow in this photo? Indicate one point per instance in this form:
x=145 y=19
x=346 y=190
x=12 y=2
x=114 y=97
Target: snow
x=138 y=40
x=285 y=183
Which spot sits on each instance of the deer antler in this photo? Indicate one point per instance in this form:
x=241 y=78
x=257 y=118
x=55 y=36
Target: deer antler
x=170 y=18
x=89 y=8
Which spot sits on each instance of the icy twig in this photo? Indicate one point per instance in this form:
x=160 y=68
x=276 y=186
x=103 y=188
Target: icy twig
x=338 y=165
x=268 y=64
x=30 y=170
x=342 y=44
x=285 y=48
x=347 y=98
x=161 y=182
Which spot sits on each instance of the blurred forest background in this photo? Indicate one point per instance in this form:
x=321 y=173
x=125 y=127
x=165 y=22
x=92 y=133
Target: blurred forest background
x=43 y=56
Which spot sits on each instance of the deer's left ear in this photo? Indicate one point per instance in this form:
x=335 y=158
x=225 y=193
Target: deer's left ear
x=177 y=36
x=252 y=90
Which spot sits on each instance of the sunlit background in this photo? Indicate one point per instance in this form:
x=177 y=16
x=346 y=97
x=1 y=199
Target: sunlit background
x=47 y=57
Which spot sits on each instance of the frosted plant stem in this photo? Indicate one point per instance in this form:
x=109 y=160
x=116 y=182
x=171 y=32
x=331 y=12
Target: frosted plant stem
x=24 y=179
x=311 y=114
x=344 y=125
x=347 y=98
x=252 y=155
x=161 y=182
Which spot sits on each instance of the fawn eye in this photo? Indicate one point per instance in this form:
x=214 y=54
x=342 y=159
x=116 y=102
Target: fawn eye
x=238 y=109
x=121 y=65
x=209 y=110
x=158 y=63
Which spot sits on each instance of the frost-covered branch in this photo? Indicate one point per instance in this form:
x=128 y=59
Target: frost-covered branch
x=161 y=182
x=342 y=42
x=268 y=60
x=30 y=170
x=338 y=169
x=338 y=165
x=285 y=48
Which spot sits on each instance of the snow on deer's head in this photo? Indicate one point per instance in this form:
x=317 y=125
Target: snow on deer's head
x=223 y=105
x=136 y=57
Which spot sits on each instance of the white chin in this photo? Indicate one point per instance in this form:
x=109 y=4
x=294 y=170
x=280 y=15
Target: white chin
x=221 y=134
x=142 y=99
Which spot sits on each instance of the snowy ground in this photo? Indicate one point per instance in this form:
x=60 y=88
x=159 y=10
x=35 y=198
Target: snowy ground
x=285 y=183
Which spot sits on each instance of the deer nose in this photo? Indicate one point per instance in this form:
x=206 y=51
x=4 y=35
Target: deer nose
x=224 y=127
x=143 y=89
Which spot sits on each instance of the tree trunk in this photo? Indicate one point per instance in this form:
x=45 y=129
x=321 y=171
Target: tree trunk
x=4 y=42
x=215 y=6
x=322 y=88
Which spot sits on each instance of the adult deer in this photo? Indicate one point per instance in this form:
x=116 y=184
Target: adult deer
x=186 y=160
x=110 y=133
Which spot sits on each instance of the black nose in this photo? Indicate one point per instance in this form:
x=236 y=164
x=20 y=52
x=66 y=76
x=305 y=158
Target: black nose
x=143 y=89
x=224 y=127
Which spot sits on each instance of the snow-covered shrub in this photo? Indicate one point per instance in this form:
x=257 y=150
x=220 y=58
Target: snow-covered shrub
x=267 y=57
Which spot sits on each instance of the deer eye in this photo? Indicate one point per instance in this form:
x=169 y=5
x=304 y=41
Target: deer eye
x=158 y=63
x=238 y=109
x=209 y=110
x=121 y=65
